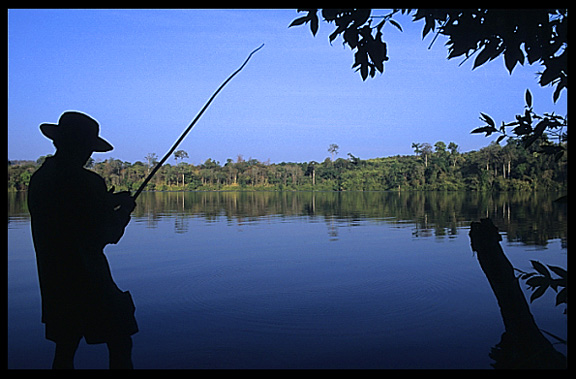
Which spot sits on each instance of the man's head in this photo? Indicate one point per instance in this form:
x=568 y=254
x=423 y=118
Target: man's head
x=76 y=134
x=75 y=128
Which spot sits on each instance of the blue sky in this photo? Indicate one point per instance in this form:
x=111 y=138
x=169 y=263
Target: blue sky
x=144 y=74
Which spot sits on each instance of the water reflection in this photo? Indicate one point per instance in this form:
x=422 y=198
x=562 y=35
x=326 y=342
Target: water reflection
x=525 y=217
x=266 y=288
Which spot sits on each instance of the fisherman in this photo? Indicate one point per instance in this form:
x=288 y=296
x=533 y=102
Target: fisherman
x=73 y=217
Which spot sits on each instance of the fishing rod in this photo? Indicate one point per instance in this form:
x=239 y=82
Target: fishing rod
x=189 y=128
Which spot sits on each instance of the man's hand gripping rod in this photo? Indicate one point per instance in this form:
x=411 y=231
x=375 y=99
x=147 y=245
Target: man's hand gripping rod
x=189 y=128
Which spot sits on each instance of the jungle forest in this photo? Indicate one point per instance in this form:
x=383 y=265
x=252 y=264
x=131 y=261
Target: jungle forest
x=437 y=167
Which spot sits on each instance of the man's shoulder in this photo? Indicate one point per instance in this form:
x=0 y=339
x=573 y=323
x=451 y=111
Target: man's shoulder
x=91 y=175
x=52 y=174
x=42 y=174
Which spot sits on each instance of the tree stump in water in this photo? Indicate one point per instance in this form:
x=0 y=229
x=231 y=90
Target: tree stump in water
x=522 y=345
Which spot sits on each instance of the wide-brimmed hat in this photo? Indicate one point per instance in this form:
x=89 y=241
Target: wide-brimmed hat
x=78 y=129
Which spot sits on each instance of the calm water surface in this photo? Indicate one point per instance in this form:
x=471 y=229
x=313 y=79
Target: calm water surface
x=303 y=280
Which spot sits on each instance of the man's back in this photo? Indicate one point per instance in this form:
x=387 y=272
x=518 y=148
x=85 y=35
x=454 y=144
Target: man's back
x=73 y=218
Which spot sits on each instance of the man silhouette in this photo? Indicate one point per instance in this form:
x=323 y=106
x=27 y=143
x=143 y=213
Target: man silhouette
x=73 y=216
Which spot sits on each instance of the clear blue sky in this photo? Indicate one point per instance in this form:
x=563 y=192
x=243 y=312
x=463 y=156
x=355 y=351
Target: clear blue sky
x=144 y=74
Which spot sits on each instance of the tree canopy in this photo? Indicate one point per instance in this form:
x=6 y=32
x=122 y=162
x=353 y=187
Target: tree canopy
x=521 y=35
x=535 y=36
x=439 y=166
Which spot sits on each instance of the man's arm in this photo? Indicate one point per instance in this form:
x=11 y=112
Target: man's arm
x=122 y=204
x=107 y=213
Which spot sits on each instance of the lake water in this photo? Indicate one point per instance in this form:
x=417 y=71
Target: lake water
x=304 y=279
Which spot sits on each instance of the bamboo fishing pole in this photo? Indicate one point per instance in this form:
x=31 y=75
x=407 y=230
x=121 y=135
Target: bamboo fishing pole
x=189 y=128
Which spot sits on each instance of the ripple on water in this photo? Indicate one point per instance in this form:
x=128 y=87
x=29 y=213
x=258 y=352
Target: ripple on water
x=266 y=301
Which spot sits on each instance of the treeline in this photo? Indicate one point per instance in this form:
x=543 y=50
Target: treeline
x=437 y=168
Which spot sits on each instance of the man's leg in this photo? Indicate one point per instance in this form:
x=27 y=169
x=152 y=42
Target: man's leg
x=64 y=353
x=120 y=353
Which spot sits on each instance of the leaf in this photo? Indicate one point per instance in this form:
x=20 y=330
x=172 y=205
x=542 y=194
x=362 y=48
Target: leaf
x=536 y=281
x=562 y=297
x=500 y=138
x=360 y=57
x=545 y=77
x=330 y=14
x=555 y=283
x=487 y=119
x=379 y=66
x=538 y=293
x=528 y=98
x=481 y=58
x=430 y=25
x=562 y=282
x=541 y=126
x=364 y=71
x=377 y=52
x=541 y=268
x=314 y=23
x=360 y=16
x=559 y=271
x=299 y=21
x=522 y=129
x=538 y=130
x=556 y=94
x=397 y=25
x=527 y=275
x=484 y=129
x=335 y=33
x=513 y=55
x=489 y=52
x=351 y=37
x=380 y=25
x=559 y=87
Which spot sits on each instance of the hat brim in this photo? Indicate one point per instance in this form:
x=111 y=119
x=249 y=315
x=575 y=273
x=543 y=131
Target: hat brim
x=97 y=144
x=101 y=145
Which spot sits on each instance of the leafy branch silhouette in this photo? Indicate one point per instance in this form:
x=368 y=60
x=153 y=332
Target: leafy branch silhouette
x=524 y=128
x=541 y=280
x=535 y=36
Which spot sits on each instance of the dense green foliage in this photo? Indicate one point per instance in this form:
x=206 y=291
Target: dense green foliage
x=438 y=167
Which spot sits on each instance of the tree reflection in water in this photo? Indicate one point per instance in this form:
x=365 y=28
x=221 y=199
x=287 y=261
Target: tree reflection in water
x=528 y=218
x=525 y=217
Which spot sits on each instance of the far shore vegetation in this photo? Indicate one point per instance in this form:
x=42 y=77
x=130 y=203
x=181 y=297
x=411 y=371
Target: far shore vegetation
x=437 y=167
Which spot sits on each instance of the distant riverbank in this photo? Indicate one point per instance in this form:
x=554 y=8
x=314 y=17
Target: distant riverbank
x=493 y=168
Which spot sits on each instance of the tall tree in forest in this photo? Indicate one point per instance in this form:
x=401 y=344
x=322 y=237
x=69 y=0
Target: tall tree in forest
x=180 y=154
x=333 y=150
x=151 y=160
